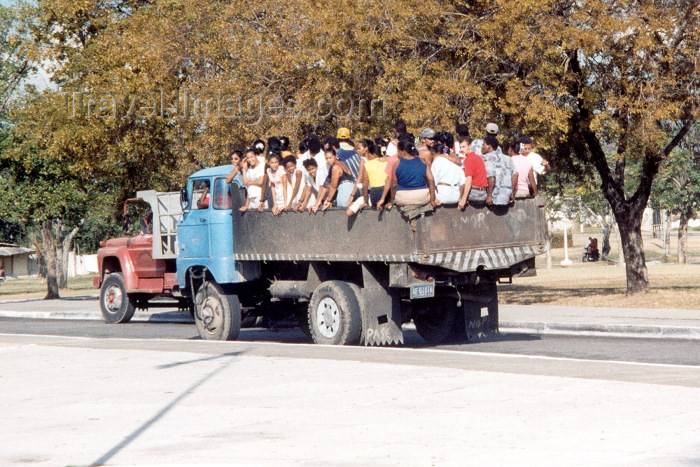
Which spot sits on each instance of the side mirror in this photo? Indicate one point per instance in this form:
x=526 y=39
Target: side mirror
x=184 y=200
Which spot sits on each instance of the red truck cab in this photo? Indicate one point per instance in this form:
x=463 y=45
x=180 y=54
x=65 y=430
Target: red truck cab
x=133 y=270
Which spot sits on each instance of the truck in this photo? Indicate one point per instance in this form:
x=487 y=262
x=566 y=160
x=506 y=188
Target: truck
x=345 y=280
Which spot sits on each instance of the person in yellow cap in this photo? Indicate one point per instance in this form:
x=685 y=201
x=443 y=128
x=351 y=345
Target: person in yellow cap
x=343 y=133
x=345 y=150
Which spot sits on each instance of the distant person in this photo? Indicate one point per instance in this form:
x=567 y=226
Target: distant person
x=203 y=201
x=296 y=182
x=399 y=129
x=448 y=177
x=338 y=185
x=373 y=177
x=254 y=179
x=539 y=164
x=2 y=274
x=345 y=150
x=311 y=189
x=462 y=131
x=427 y=139
x=235 y=175
x=284 y=148
x=491 y=129
x=475 y=184
x=527 y=186
x=500 y=172
x=411 y=182
x=278 y=181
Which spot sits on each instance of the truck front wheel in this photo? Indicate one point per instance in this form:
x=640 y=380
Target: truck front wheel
x=115 y=303
x=335 y=317
x=217 y=314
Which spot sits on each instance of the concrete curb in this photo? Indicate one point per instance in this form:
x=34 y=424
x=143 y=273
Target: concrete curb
x=164 y=317
x=610 y=330
x=603 y=330
x=68 y=299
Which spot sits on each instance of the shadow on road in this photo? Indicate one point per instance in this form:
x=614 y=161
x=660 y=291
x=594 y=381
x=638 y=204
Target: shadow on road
x=153 y=420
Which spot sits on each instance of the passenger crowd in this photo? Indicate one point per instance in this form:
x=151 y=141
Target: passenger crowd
x=435 y=169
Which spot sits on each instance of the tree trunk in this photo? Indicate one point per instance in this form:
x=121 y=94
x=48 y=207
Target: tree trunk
x=667 y=233
x=683 y=238
x=548 y=245
x=633 y=253
x=49 y=254
x=66 y=243
x=605 y=251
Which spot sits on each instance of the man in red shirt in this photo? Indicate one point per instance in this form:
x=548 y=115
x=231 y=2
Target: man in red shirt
x=475 y=188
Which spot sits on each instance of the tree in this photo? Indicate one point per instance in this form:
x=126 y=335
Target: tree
x=42 y=184
x=592 y=78
x=678 y=186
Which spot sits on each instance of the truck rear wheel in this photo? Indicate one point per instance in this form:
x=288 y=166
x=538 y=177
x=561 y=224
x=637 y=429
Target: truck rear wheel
x=335 y=317
x=217 y=314
x=115 y=303
x=434 y=318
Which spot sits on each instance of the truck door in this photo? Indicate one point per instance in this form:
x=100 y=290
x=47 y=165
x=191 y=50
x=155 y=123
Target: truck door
x=194 y=229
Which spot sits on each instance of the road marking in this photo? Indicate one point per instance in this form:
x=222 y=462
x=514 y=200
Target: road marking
x=351 y=348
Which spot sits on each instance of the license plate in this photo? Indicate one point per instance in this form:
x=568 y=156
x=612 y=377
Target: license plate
x=422 y=291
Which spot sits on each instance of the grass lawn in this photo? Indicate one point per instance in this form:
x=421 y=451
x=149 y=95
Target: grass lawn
x=604 y=283
x=36 y=288
x=581 y=284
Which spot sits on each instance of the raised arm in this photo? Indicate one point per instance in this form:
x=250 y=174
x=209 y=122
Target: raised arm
x=466 y=188
x=295 y=190
x=232 y=175
x=431 y=187
x=533 y=184
x=389 y=185
x=336 y=172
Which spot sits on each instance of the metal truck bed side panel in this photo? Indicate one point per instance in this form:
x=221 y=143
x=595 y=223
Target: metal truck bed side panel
x=493 y=238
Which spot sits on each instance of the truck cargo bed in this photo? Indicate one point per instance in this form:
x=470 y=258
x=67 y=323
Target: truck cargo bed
x=478 y=237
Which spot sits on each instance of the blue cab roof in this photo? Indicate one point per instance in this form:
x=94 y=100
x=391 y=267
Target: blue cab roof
x=213 y=171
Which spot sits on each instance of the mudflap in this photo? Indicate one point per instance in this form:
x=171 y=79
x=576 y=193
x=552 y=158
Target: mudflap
x=481 y=312
x=381 y=313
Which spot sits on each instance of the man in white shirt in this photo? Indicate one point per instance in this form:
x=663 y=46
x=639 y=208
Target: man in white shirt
x=540 y=166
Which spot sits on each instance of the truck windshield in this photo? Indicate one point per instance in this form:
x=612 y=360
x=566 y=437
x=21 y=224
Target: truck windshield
x=222 y=194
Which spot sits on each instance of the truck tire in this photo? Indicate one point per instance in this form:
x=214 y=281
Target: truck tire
x=434 y=318
x=217 y=314
x=115 y=303
x=335 y=316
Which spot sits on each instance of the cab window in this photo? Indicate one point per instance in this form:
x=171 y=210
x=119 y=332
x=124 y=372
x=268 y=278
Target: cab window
x=200 y=194
x=222 y=194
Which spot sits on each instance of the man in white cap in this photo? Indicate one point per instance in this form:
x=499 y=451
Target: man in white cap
x=491 y=129
x=427 y=139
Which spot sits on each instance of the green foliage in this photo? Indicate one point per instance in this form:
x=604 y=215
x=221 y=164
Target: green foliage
x=15 y=63
x=677 y=187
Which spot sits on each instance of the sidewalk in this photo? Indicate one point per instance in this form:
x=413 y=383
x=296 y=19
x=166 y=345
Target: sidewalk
x=540 y=319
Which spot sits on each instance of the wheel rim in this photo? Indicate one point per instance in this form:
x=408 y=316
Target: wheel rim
x=211 y=315
x=327 y=317
x=113 y=299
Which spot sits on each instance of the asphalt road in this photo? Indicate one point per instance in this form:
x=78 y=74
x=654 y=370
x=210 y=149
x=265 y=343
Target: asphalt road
x=660 y=351
x=87 y=393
